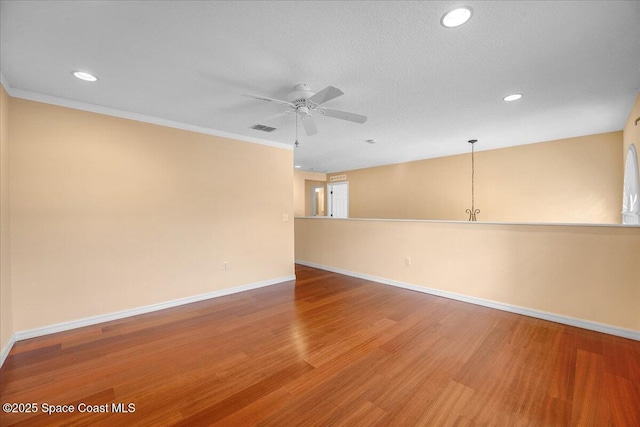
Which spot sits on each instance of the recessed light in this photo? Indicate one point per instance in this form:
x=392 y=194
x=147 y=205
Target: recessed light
x=298 y=166
x=456 y=17
x=85 y=76
x=513 y=97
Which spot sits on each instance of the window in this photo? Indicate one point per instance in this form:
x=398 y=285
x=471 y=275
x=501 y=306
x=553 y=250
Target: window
x=630 y=202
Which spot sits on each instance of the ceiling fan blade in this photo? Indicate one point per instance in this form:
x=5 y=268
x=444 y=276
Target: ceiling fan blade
x=326 y=94
x=309 y=125
x=264 y=98
x=275 y=116
x=352 y=117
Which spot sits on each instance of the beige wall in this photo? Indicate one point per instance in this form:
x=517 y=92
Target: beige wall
x=299 y=189
x=575 y=180
x=109 y=214
x=586 y=272
x=6 y=314
x=631 y=133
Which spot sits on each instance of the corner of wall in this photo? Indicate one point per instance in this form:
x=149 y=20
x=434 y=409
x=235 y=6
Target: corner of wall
x=299 y=189
x=7 y=332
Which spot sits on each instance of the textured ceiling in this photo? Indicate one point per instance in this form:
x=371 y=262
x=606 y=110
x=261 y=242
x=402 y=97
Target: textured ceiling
x=426 y=89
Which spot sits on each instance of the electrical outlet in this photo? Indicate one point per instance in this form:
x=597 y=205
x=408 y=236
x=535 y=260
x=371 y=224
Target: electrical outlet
x=225 y=265
x=407 y=260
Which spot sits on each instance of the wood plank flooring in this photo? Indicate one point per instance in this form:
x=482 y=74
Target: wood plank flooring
x=327 y=350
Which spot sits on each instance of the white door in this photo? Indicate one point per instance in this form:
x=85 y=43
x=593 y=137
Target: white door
x=338 y=200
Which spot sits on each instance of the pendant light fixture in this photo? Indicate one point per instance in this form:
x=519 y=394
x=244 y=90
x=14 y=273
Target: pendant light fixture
x=473 y=211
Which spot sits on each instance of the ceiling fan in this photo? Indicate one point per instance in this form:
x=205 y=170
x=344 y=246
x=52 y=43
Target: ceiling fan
x=303 y=101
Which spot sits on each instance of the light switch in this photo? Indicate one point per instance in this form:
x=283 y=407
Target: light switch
x=285 y=217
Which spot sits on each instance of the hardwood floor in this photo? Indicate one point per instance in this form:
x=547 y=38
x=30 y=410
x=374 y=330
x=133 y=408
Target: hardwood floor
x=328 y=350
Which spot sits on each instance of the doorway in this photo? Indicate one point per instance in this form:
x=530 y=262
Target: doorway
x=317 y=200
x=338 y=200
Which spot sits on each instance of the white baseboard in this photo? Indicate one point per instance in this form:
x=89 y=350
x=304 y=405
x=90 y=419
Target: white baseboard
x=88 y=321
x=6 y=349
x=566 y=320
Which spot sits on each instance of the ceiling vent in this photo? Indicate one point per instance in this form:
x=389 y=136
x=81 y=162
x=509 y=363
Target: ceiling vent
x=263 y=128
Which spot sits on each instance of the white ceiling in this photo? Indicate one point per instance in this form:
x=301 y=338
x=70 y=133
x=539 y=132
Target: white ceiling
x=426 y=89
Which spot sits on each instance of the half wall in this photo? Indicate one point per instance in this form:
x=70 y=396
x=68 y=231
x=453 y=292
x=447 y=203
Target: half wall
x=589 y=273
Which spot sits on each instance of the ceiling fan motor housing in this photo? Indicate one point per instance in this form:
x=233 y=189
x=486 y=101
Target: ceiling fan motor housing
x=300 y=95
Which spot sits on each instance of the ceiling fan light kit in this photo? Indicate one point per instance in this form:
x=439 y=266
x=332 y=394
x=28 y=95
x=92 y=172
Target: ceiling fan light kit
x=304 y=102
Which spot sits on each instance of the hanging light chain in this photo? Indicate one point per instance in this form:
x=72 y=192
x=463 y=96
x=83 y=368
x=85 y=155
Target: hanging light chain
x=296 y=143
x=473 y=174
x=473 y=211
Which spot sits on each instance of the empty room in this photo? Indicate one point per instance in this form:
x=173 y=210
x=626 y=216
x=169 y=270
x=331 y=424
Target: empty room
x=319 y=213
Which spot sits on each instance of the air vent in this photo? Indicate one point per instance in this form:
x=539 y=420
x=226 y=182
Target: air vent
x=263 y=128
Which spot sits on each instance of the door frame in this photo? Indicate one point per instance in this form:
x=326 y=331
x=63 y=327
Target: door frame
x=313 y=198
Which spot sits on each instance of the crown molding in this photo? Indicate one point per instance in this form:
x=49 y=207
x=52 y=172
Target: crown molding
x=114 y=112
x=5 y=84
